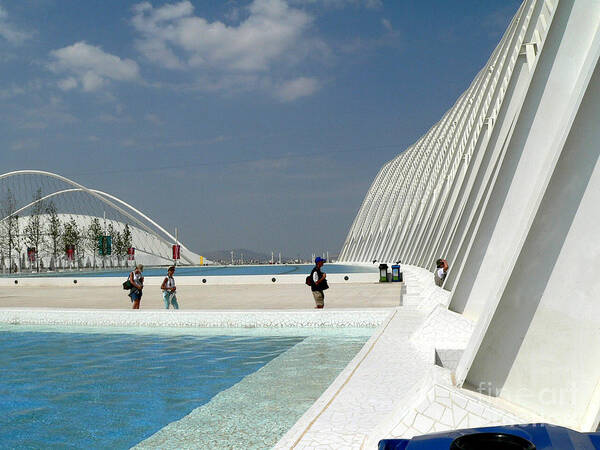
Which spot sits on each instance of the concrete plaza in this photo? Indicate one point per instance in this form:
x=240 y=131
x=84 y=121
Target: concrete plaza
x=205 y=297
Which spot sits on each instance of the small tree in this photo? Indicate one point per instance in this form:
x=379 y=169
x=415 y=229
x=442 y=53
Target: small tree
x=122 y=242
x=9 y=227
x=71 y=236
x=53 y=230
x=116 y=241
x=77 y=239
x=127 y=240
x=34 y=230
x=92 y=235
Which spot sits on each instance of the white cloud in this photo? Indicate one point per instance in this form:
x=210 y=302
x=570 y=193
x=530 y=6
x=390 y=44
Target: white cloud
x=270 y=36
x=117 y=116
x=266 y=165
x=34 y=126
x=153 y=118
x=130 y=142
x=91 y=81
x=361 y=46
x=14 y=90
x=26 y=144
x=90 y=67
x=174 y=38
x=67 y=84
x=369 y=4
x=387 y=25
x=9 y=32
x=196 y=143
x=294 y=89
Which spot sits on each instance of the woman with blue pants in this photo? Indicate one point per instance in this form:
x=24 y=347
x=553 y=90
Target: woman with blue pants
x=168 y=289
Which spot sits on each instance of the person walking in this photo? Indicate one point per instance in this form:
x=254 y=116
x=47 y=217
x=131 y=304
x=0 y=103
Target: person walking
x=168 y=289
x=319 y=282
x=137 y=284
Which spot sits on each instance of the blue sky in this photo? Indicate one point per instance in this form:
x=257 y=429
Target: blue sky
x=257 y=124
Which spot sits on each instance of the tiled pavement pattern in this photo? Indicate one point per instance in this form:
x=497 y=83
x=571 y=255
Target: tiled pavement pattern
x=448 y=357
x=392 y=388
x=369 y=389
x=208 y=319
x=442 y=330
x=448 y=408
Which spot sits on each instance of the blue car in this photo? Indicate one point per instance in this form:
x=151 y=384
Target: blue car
x=535 y=436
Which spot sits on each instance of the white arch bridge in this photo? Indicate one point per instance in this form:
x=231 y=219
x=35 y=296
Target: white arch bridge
x=50 y=213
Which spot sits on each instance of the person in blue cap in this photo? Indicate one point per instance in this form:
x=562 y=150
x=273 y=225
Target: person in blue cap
x=319 y=282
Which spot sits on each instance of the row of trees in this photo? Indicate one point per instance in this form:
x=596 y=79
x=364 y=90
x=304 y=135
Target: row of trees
x=47 y=235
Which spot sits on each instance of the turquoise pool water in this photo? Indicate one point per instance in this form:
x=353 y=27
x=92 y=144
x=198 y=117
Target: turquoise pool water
x=267 y=269
x=90 y=389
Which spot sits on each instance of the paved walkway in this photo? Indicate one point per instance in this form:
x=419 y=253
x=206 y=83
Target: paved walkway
x=366 y=392
x=392 y=388
x=203 y=297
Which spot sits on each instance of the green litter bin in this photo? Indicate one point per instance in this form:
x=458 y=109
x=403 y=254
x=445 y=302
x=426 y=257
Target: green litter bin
x=383 y=273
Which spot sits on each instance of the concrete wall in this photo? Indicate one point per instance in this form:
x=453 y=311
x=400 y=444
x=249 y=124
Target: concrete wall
x=539 y=349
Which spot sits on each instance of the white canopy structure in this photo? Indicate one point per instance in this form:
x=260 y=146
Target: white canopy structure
x=29 y=199
x=506 y=187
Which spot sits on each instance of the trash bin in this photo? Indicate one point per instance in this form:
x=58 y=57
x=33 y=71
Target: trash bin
x=383 y=273
x=396 y=274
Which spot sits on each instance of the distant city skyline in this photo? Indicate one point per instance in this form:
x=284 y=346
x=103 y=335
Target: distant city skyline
x=245 y=124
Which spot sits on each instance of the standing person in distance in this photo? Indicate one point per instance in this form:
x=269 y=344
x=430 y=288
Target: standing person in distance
x=137 y=284
x=168 y=289
x=319 y=283
x=441 y=271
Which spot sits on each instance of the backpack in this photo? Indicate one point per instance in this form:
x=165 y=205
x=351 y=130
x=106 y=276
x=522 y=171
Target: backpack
x=309 y=281
x=127 y=284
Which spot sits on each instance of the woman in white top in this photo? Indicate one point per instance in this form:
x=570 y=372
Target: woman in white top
x=168 y=289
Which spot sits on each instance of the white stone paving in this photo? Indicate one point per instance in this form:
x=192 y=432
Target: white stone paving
x=445 y=409
x=442 y=331
x=366 y=391
x=393 y=388
x=218 y=319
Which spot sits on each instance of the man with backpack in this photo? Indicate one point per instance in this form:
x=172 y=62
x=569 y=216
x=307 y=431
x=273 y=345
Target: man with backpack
x=318 y=282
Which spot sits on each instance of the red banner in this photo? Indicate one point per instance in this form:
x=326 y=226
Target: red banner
x=70 y=251
x=31 y=254
x=176 y=251
x=131 y=253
